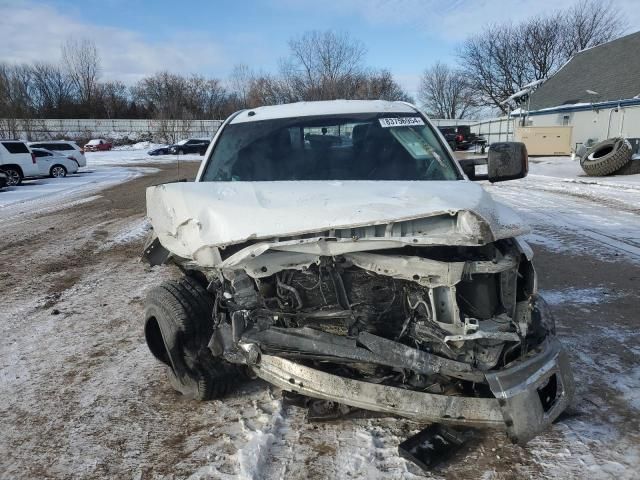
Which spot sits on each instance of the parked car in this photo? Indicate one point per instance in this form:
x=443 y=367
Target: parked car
x=371 y=272
x=460 y=137
x=54 y=164
x=159 y=151
x=17 y=161
x=3 y=179
x=191 y=145
x=66 y=148
x=97 y=145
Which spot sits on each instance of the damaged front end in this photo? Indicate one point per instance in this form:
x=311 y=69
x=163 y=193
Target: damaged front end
x=453 y=334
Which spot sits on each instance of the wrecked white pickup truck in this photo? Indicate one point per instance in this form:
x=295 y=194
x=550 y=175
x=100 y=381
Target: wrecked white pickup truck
x=337 y=250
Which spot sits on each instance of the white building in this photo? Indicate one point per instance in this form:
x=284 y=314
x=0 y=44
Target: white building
x=596 y=93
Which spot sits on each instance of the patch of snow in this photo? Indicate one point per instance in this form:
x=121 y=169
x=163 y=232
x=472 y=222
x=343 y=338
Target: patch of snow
x=47 y=194
x=628 y=384
x=131 y=233
x=567 y=170
x=139 y=230
x=589 y=216
x=547 y=241
x=578 y=296
x=131 y=156
x=138 y=146
x=253 y=455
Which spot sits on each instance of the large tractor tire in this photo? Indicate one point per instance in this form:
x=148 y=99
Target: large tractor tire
x=606 y=157
x=177 y=328
x=631 y=168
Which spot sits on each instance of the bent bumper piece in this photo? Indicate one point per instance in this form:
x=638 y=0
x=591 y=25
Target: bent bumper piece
x=529 y=395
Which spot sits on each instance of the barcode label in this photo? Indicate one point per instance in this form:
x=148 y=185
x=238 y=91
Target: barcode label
x=401 y=122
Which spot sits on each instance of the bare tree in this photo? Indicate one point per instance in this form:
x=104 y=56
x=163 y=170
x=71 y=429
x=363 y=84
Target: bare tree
x=204 y=97
x=269 y=90
x=83 y=64
x=380 y=85
x=445 y=92
x=52 y=90
x=495 y=64
x=542 y=39
x=322 y=64
x=589 y=23
x=240 y=82
x=163 y=95
x=503 y=58
x=16 y=101
x=113 y=99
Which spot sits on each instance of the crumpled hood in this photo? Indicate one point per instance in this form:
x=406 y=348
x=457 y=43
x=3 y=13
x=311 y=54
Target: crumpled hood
x=190 y=216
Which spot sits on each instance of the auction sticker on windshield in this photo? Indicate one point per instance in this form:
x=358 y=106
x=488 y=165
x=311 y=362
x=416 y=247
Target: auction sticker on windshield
x=400 y=122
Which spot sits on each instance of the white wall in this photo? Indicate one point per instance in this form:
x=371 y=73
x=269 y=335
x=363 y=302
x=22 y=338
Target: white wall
x=42 y=129
x=590 y=124
x=587 y=124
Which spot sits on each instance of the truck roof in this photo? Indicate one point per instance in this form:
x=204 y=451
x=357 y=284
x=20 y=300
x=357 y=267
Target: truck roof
x=327 y=107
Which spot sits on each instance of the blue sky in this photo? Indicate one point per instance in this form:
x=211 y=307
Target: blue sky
x=136 y=38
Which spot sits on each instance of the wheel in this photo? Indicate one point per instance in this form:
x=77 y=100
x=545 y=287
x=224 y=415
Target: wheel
x=177 y=329
x=631 y=168
x=58 y=171
x=180 y=152
x=606 y=157
x=14 y=176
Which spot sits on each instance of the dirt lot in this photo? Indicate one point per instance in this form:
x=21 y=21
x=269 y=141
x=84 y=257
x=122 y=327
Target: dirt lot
x=81 y=397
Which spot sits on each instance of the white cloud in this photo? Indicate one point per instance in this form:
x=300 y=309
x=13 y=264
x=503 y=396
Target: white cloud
x=448 y=20
x=30 y=32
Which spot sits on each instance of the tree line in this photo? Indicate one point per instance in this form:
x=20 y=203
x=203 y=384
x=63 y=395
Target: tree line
x=497 y=62
x=319 y=66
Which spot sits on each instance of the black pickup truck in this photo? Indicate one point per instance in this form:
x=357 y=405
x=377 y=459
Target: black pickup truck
x=460 y=137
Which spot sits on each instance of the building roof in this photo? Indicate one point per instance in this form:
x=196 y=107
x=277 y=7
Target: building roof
x=611 y=69
x=327 y=107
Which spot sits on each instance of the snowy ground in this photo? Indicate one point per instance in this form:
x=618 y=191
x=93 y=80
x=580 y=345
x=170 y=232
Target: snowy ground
x=81 y=397
x=558 y=199
x=104 y=169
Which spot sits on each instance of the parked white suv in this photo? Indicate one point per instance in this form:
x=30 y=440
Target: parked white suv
x=66 y=148
x=17 y=161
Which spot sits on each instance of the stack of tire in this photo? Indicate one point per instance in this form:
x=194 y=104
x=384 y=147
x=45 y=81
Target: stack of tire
x=610 y=157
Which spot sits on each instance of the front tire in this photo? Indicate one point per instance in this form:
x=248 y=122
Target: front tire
x=58 y=171
x=177 y=329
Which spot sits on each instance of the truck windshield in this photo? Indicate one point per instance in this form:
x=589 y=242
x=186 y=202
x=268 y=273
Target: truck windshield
x=384 y=146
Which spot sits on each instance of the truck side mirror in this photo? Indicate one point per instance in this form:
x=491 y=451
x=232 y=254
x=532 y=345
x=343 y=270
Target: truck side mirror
x=507 y=161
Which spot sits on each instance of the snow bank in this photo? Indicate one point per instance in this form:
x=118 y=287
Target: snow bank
x=138 y=155
x=138 y=146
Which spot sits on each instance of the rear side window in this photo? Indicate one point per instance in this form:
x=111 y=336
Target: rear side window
x=15 y=147
x=58 y=146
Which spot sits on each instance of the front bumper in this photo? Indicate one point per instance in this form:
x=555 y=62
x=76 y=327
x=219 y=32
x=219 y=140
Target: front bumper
x=528 y=395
